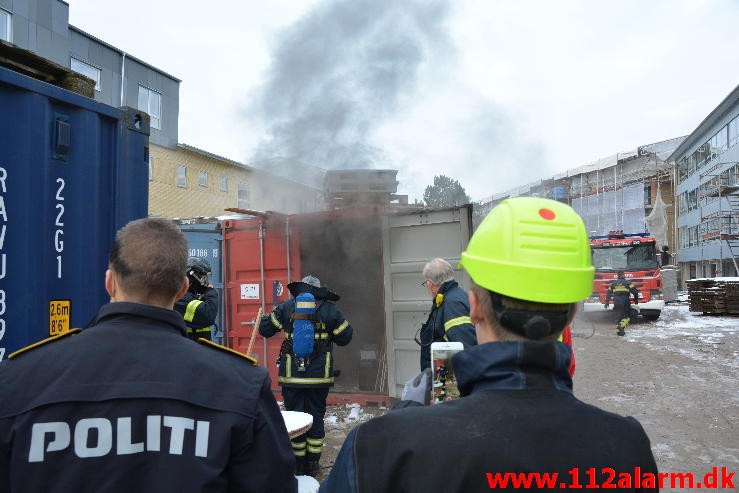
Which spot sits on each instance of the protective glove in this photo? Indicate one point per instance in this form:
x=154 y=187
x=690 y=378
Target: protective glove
x=418 y=388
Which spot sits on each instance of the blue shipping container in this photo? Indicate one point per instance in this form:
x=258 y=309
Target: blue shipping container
x=205 y=240
x=72 y=172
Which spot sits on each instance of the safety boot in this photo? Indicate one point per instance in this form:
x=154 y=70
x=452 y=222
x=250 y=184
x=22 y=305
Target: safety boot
x=622 y=325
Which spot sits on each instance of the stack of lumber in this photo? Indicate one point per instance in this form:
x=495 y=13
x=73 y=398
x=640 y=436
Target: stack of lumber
x=718 y=295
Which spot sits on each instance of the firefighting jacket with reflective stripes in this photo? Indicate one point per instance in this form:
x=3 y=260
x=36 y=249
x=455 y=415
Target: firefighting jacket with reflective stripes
x=198 y=312
x=449 y=320
x=115 y=408
x=332 y=328
x=622 y=287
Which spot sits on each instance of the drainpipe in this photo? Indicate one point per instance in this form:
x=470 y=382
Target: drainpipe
x=123 y=76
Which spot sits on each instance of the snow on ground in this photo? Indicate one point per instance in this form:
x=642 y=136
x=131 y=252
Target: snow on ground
x=694 y=335
x=349 y=415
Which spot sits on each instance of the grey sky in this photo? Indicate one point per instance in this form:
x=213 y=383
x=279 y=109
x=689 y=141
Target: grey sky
x=492 y=93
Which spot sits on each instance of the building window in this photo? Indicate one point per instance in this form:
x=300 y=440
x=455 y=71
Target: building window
x=5 y=26
x=151 y=168
x=224 y=184
x=151 y=102
x=203 y=179
x=86 y=69
x=243 y=198
x=733 y=131
x=182 y=177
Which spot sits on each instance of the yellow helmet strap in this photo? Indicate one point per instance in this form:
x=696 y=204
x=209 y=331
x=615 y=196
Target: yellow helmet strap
x=533 y=325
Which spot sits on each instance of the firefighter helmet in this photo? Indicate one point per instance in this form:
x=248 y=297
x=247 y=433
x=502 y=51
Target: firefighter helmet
x=199 y=266
x=532 y=249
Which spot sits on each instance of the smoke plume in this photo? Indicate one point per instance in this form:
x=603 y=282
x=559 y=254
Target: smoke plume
x=340 y=72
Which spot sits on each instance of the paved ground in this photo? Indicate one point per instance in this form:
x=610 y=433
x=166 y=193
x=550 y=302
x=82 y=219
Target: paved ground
x=678 y=376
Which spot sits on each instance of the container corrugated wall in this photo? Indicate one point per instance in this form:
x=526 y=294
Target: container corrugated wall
x=72 y=171
x=261 y=256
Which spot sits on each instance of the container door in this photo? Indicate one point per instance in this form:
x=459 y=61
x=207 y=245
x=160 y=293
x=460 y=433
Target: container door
x=410 y=241
x=257 y=269
x=72 y=171
x=206 y=241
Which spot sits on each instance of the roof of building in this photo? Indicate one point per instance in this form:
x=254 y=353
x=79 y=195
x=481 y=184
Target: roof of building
x=98 y=40
x=215 y=156
x=718 y=112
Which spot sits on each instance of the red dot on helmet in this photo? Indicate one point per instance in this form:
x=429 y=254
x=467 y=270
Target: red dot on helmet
x=547 y=214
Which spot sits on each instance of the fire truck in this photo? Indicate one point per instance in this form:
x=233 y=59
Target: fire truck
x=636 y=255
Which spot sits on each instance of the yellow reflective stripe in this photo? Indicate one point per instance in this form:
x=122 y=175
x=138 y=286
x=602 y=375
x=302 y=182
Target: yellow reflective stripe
x=457 y=321
x=190 y=311
x=561 y=337
x=327 y=367
x=298 y=445
x=316 y=442
x=306 y=304
x=275 y=321
x=304 y=381
x=338 y=330
x=204 y=329
x=288 y=366
x=299 y=453
x=315 y=450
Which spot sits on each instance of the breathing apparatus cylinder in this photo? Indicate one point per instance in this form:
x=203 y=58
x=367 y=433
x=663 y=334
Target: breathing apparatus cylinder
x=304 y=327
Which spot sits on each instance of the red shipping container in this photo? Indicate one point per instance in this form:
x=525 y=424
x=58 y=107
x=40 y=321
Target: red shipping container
x=261 y=256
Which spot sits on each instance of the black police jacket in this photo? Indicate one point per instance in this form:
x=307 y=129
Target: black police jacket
x=115 y=408
x=517 y=416
x=332 y=329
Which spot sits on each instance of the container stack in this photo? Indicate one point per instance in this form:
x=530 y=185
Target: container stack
x=719 y=295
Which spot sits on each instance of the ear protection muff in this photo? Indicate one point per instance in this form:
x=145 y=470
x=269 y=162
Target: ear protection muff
x=530 y=324
x=438 y=300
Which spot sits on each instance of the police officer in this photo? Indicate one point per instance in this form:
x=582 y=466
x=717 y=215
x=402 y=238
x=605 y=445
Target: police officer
x=305 y=381
x=449 y=318
x=113 y=407
x=619 y=290
x=199 y=306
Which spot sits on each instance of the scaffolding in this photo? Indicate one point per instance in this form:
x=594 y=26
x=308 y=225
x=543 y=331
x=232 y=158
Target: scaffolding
x=722 y=225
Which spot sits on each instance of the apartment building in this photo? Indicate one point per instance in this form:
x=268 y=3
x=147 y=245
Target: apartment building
x=183 y=181
x=707 y=191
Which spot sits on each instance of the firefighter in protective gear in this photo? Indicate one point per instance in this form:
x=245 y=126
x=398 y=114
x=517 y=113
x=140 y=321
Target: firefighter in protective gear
x=530 y=265
x=306 y=381
x=199 y=306
x=449 y=318
x=619 y=290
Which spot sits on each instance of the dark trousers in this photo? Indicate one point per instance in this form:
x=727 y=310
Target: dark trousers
x=622 y=310
x=308 y=446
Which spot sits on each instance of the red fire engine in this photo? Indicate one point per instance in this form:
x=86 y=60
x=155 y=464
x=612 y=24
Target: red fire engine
x=636 y=255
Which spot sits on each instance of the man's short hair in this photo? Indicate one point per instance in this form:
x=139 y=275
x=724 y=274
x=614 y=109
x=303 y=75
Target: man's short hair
x=485 y=299
x=150 y=257
x=438 y=271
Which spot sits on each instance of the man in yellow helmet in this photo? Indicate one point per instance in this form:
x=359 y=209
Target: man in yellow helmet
x=530 y=265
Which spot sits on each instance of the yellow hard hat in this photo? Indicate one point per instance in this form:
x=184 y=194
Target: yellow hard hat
x=532 y=249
